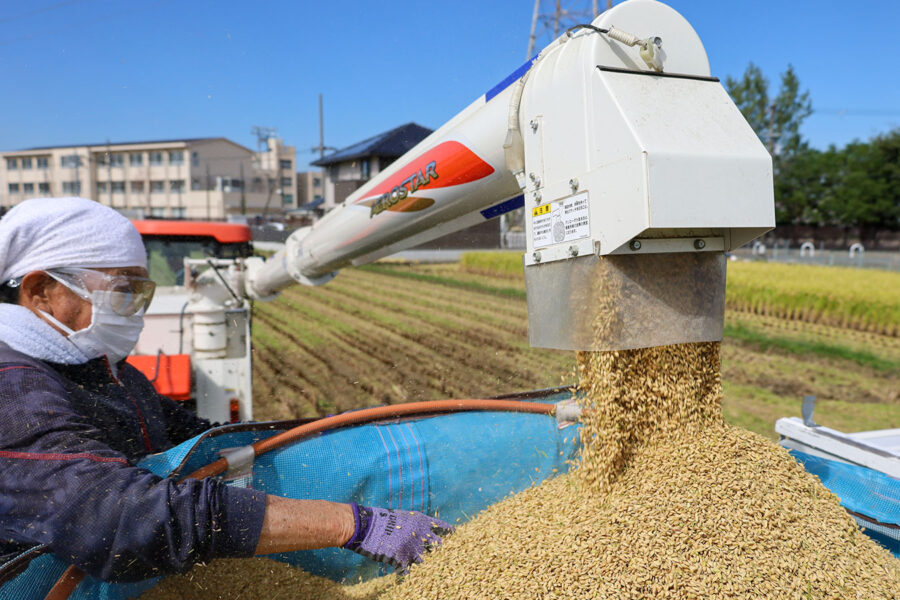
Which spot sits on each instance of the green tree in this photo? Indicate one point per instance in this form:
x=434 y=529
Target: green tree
x=777 y=122
x=866 y=193
x=791 y=107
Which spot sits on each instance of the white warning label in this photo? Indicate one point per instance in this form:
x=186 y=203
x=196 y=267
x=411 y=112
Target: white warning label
x=561 y=221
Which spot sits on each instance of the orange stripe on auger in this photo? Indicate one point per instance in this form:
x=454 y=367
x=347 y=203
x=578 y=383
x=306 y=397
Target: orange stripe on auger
x=445 y=165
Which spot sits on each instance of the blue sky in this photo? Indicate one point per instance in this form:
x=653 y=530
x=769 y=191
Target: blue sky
x=84 y=71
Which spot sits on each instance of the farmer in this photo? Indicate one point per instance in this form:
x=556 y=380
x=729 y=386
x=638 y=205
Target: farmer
x=75 y=418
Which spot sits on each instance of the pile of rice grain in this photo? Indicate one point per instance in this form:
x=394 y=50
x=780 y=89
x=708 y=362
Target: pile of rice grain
x=258 y=579
x=668 y=501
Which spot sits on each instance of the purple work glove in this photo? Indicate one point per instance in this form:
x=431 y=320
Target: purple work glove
x=396 y=537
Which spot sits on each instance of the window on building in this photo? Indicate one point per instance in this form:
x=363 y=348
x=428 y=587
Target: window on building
x=195 y=159
x=364 y=168
x=318 y=198
x=13 y=188
x=288 y=198
x=26 y=162
x=176 y=186
x=196 y=184
x=317 y=181
x=285 y=164
x=71 y=187
x=157 y=212
x=176 y=157
x=155 y=158
x=102 y=187
x=179 y=212
x=69 y=161
x=136 y=159
x=43 y=188
x=12 y=163
x=287 y=182
x=137 y=187
x=42 y=162
x=27 y=188
x=157 y=187
x=228 y=184
x=101 y=159
x=116 y=160
x=118 y=187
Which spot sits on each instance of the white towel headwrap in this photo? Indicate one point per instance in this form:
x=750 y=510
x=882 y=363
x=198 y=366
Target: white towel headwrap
x=49 y=233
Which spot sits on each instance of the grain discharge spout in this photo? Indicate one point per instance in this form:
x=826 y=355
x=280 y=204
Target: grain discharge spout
x=635 y=169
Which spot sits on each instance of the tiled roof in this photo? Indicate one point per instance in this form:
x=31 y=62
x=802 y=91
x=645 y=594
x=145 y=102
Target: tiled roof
x=392 y=144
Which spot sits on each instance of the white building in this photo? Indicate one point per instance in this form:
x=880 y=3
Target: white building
x=202 y=178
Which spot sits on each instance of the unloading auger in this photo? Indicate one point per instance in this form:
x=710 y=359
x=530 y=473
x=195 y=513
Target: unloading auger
x=636 y=170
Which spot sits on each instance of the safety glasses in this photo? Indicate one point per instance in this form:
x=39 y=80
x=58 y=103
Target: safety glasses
x=128 y=295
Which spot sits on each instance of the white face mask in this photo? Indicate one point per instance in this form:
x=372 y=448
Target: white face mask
x=109 y=333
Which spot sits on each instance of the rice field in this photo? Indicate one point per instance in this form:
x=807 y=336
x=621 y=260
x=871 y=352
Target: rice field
x=393 y=332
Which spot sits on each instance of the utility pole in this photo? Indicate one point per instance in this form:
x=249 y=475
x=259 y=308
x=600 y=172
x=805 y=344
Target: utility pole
x=208 y=183
x=321 y=148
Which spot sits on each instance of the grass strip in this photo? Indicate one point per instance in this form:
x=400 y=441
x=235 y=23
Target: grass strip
x=741 y=332
x=446 y=281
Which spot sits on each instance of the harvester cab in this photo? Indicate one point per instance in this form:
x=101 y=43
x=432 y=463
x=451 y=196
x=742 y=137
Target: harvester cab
x=196 y=348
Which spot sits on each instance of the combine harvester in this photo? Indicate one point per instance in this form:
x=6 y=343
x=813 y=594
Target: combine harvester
x=637 y=173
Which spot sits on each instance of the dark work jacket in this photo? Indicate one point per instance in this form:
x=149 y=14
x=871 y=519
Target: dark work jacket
x=69 y=438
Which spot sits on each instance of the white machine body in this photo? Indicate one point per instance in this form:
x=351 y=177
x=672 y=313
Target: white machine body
x=202 y=319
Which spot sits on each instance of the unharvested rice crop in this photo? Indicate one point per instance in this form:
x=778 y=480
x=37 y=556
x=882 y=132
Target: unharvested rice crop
x=844 y=297
x=860 y=299
x=493 y=263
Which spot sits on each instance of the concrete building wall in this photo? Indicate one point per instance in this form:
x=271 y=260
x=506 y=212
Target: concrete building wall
x=345 y=178
x=310 y=187
x=195 y=179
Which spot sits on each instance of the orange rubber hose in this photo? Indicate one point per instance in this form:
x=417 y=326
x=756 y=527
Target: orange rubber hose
x=66 y=584
x=367 y=415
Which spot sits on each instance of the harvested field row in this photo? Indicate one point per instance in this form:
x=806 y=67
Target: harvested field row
x=367 y=339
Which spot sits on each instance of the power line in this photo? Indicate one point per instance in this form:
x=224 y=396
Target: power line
x=857 y=112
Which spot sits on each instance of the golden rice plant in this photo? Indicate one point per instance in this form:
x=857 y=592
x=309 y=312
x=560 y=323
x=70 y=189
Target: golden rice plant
x=861 y=299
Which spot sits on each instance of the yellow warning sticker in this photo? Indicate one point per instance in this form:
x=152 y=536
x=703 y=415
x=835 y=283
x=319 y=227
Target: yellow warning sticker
x=540 y=210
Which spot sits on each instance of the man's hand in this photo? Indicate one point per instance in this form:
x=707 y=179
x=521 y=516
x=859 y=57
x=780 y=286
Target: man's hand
x=396 y=537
